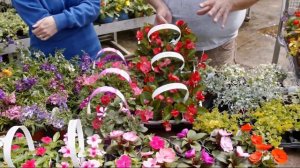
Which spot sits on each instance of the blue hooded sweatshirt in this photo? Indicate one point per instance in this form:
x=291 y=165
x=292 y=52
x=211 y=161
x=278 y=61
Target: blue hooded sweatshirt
x=74 y=21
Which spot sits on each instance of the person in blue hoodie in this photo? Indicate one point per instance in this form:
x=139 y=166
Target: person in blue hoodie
x=61 y=24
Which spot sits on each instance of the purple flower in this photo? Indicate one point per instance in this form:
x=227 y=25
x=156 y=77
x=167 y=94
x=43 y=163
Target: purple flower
x=85 y=63
x=183 y=133
x=111 y=57
x=26 y=67
x=58 y=123
x=59 y=99
x=2 y=94
x=1 y=58
x=25 y=84
x=190 y=153
x=58 y=76
x=206 y=158
x=35 y=113
x=48 y=67
x=52 y=68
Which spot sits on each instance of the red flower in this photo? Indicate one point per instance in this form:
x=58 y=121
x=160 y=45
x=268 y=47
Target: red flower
x=158 y=41
x=202 y=65
x=130 y=65
x=96 y=123
x=175 y=113
x=189 y=117
x=194 y=78
x=247 y=127
x=29 y=164
x=154 y=36
x=145 y=115
x=178 y=46
x=200 y=96
x=15 y=147
x=191 y=109
x=149 y=78
x=188 y=30
x=46 y=140
x=105 y=100
x=296 y=22
x=255 y=157
x=256 y=139
x=170 y=100
x=189 y=44
x=100 y=64
x=279 y=156
x=156 y=51
x=40 y=151
x=144 y=65
x=139 y=35
x=98 y=108
x=180 y=23
x=173 y=78
x=165 y=63
x=167 y=125
x=169 y=47
x=147 y=29
x=204 y=57
x=160 y=97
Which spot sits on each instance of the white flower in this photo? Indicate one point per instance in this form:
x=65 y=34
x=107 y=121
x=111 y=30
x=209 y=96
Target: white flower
x=240 y=152
x=94 y=140
x=116 y=134
x=130 y=136
x=70 y=67
x=150 y=163
x=94 y=164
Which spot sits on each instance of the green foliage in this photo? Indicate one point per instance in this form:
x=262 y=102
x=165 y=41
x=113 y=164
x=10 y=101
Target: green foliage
x=274 y=118
x=209 y=121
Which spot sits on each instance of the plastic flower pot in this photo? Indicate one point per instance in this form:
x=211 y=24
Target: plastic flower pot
x=107 y=19
x=123 y=16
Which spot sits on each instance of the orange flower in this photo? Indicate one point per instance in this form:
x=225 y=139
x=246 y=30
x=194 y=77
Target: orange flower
x=247 y=127
x=255 y=157
x=256 y=139
x=263 y=146
x=279 y=156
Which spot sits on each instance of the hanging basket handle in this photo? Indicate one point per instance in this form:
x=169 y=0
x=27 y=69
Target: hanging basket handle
x=8 y=143
x=164 y=27
x=111 y=50
x=169 y=87
x=168 y=54
x=106 y=89
x=75 y=128
x=117 y=71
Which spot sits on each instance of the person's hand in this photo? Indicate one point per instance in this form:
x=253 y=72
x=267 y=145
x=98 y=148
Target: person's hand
x=163 y=15
x=217 y=9
x=45 y=28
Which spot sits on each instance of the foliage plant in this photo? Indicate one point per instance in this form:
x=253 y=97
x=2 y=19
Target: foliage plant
x=209 y=121
x=266 y=120
x=169 y=105
x=240 y=90
x=141 y=8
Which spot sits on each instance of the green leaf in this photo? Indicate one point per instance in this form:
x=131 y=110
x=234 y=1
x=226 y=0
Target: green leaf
x=220 y=156
x=191 y=135
x=196 y=146
x=56 y=136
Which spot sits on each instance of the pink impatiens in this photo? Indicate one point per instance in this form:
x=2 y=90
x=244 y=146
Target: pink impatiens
x=157 y=143
x=166 y=155
x=123 y=162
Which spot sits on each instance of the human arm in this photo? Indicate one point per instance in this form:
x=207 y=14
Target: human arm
x=163 y=14
x=221 y=8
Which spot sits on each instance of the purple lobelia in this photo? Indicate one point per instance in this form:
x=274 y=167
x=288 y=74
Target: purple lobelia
x=2 y=94
x=25 y=84
x=85 y=63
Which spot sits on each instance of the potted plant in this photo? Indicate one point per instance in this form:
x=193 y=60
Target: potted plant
x=141 y=8
x=107 y=11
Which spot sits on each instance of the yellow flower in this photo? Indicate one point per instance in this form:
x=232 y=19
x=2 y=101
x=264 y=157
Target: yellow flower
x=7 y=72
x=118 y=8
x=127 y=3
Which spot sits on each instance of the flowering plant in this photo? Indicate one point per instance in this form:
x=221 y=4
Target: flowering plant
x=111 y=8
x=36 y=91
x=141 y=8
x=154 y=74
x=292 y=31
x=44 y=155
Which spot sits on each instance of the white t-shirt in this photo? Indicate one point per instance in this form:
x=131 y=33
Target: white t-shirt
x=210 y=34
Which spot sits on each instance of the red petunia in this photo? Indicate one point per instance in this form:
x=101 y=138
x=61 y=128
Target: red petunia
x=160 y=97
x=189 y=44
x=158 y=42
x=40 y=151
x=175 y=113
x=189 y=117
x=178 y=46
x=139 y=35
x=149 y=78
x=180 y=23
x=191 y=109
x=29 y=164
x=145 y=115
x=154 y=36
x=144 y=65
x=170 y=100
x=173 y=78
x=46 y=140
x=147 y=29
x=194 y=78
x=96 y=123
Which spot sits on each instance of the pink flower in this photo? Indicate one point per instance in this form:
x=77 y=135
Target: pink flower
x=29 y=164
x=13 y=113
x=123 y=162
x=46 y=140
x=88 y=81
x=94 y=152
x=145 y=154
x=190 y=154
x=94 y=140
x=116 y=134
x=19 y=135
x=15 y=147
x=136 y=90
x=166 y=155
x=40 y=151
x=150 y=163
x=65 y=151
x=206 y=158
x=145 y=115
x=157 y=143
x=240 y=152
x=10 y=99
x=90 y=164
x=226 y=144
x=65 y=165
x=183 y=133
x=130 y=136
x=224 y=133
